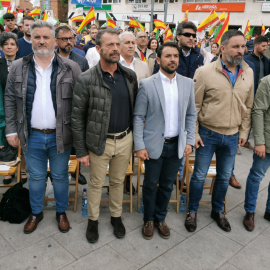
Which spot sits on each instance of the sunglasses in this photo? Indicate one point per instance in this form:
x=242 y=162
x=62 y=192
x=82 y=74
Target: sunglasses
x=188 y=35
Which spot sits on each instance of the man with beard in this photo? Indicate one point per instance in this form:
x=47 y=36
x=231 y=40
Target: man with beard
x=224 y=98
x=64 y=38
x=101 y=121
x=91 y=43
x=164 y=130
x=38 y=109
x=25 y=43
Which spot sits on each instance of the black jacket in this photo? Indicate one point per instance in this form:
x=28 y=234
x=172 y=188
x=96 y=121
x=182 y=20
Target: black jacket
x=80 y=60
x=91 y=108
x=256 y=61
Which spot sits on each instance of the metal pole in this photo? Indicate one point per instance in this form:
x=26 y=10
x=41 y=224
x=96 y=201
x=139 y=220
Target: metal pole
x=152 y=15
x=165 y=11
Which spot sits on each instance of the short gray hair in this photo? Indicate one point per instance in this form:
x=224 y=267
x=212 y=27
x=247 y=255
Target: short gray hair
x=121 y=36
x=41 y=24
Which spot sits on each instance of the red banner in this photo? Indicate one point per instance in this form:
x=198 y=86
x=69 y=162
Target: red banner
x=218 y=7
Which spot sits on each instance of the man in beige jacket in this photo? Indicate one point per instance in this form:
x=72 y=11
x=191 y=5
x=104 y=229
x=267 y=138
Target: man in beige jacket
x=224 y=98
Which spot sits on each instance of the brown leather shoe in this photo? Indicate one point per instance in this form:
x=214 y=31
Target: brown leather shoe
x=238 y=150
x=249 y=221
x=63 y=223
x=248 y=146
x=191 y=222
x=148 y=230
x=221 y=220
x=234 y=183
x=163 y=229
x=32 y=223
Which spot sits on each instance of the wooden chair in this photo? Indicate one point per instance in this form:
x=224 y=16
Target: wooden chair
x=73 y=167
x=188 y=169
x=141 y=170
x=129 y=172
x=12 y=170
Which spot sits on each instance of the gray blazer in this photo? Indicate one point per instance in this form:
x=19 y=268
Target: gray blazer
x=150 y=106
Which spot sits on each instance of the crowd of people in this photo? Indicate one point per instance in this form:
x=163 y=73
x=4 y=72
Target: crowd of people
x=103 y=93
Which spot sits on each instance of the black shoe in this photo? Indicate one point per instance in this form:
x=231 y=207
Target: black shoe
x=8 y=181
x=221 y=220
x=267 y=216
x=81 y=180
x=128 y=187
x=92 y=231
x=191 y=222
x=119 y=228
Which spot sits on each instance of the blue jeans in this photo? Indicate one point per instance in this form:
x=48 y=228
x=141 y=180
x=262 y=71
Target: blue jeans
x=256 y=174
x=225 y=148
x=42 y=147
x=160 y=171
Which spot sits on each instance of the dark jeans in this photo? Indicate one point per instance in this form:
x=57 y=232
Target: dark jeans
x=225 y=148
x=160 y=171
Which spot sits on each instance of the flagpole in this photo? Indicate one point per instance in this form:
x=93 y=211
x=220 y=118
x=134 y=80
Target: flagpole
x=166 y=10
x=152 y=15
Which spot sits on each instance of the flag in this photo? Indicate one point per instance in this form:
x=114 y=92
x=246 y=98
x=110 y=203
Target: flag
x=140 y=25
x=35 y=12
x=89 y=18
x=8 y=10
x=247 y=29
x=223 y=29
x=77 y=16
x=211 y=20
x=2 y=12
x=250 y=34
x=5 y=3
x=155 y=30
x=263 y=30
x=142 y=57
x=133 y=23
x=185 y=19
x=221 y=19
x=157 y=33
x=110 y=22
x=168 y=34
x=159 y=24
x=45 y=16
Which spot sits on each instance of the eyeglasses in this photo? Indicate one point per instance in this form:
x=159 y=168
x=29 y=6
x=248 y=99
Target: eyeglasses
x=188 y=35
x=65 y=39
x=142 y=37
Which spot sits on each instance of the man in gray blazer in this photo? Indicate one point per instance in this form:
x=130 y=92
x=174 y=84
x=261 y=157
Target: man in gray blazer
x=164 y=131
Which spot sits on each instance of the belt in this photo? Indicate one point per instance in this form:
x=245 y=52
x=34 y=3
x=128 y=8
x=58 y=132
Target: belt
x=119 y=136
x=170 y=140
x=45 y=131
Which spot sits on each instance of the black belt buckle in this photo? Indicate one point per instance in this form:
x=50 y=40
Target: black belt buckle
x=170 y=140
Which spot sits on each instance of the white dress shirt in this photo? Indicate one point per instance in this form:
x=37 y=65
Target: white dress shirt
x=92 y=56
x=125 y=64
x=43 y=113
x=171 y=106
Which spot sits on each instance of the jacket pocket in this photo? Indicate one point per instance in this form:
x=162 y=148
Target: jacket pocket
x=67 y=133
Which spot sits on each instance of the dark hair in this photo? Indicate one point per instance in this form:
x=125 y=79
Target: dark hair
x=168 y=44
x=229 y=34
x=102 y=32
x=63 y=28
x=184 y=25
x=216 y=44
x=27 y=18
x=2 y=28
x=260 y=39
x=7 y=35
x=7 y=16
x=149 y=43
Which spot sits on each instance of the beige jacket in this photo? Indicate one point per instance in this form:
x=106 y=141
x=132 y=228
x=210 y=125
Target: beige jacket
x=150 y=58
x=141 y=70
x=220 y=106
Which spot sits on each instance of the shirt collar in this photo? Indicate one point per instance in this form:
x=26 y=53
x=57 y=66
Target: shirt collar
x=166 y=79
x=30 y=42
x=50 y=65
x=123 y=61
x=188 y=54
x=105 y=72
x=225 y=67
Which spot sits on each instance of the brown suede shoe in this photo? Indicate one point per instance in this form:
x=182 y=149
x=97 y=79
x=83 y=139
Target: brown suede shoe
x=148 y=230
x=234 y=183
x=32 y=223
x=248 y=222
x=163 y=229
x=63 y=223
x=191 y=222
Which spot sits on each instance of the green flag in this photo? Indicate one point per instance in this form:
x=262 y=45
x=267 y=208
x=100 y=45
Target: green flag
x=2 y=12
x=250 y=34
x=157 y=34
x=216 y=31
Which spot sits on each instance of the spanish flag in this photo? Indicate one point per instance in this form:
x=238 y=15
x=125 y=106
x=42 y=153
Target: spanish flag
x=211 y=20
x=247 y=29
x=35 y=12
x=249 y=35
x=45 y=16
x=110 y=22
x=263 y=30
x=89 y=18
x=142 y=57
x=223 y=29
x=6 y=3
x=221 y=19
x=159 y=24
x=140 y=25
x=168 y=34
x=185 y=19
x=133 y=23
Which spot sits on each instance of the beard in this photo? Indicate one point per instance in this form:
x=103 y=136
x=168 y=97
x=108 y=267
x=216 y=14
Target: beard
x=108 y=59
x=43 y=53
x=66 y=49
x=168 y=69
x=234 y=61
x=27 y=34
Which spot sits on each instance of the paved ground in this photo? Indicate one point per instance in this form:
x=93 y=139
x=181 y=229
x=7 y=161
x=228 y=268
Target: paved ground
x=208 y=248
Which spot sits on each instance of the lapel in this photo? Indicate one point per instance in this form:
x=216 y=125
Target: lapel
x=159 y=88
x=180 y=86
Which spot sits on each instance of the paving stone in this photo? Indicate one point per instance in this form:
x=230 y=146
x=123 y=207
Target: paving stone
x=5 y=248
x=228 y=266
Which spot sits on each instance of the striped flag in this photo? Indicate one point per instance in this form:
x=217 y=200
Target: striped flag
x=159 y=24
x=223 y=29
x=168 y=34
x=5 y=3
x=142 y=57
x=247 y=29
x=185 y=19
x=140 y=25
x=211 y=20
x=250 y=34
x=133 y=23
x=88 y=18
x=45 y=16
x=221 y=19
x=77 y=16
x=110 y=22
x=263 y=30
x=35 y=12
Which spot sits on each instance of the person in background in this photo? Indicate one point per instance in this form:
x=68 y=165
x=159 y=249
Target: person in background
x=2 y=30
x=208 y=56
x=91 y=43
x=25 y=43
x=249 y=47
x=9 y=21
x=87 y=37
x=153 y=44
